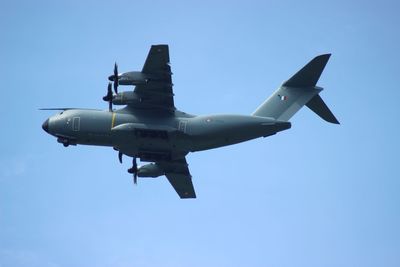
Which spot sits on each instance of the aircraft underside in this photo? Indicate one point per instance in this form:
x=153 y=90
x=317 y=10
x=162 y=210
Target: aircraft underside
x=151 y=129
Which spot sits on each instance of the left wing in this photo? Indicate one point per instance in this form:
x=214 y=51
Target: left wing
x=157 y=92
x=177 y=173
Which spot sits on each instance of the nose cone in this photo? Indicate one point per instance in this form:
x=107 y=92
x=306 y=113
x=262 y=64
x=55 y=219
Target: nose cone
x=111 y=78
x=45 y=126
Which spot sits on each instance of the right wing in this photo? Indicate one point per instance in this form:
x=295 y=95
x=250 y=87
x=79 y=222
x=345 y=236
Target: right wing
x=177 y=173
x=157 y=92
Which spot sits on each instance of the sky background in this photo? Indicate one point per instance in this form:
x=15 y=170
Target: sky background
x=316 y=195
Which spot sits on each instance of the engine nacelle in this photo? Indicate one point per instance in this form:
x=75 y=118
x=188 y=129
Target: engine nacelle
x=131 y=78
x=150 y=170
x=137 y=78
x=125 y=98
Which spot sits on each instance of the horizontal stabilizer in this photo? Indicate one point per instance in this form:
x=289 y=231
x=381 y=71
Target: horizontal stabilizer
x=318 y=105
x=309 y=75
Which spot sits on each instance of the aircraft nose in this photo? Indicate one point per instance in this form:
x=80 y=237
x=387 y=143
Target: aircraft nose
x=45 y=125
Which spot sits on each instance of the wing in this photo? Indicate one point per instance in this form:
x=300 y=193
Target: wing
x=177 y=173
x=157 y=92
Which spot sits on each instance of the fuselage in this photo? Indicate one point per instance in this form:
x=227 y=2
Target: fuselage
x=141 y=134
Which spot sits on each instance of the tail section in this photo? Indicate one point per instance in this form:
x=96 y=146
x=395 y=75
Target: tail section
x=298 y=91
x=309 y=75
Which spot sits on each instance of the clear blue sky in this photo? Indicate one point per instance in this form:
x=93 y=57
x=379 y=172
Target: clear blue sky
x=316 y=195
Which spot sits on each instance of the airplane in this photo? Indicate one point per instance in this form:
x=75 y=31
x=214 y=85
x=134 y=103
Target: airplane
x=151 y=128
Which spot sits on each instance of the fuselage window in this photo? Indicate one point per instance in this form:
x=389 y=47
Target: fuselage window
x=76 y=123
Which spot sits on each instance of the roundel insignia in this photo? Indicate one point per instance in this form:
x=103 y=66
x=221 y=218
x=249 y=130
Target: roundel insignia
x=282 y=97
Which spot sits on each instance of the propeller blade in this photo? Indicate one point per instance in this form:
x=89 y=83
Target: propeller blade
x=120 y=157
x=109 y=91
x=116 y=78
x=116 y=86
x=109 y=97
x=115 y=69
x=135 y=170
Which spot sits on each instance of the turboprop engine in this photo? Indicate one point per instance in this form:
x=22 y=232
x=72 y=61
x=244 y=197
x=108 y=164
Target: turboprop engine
x=131 y=78
x=150 y=170
x=125 y=98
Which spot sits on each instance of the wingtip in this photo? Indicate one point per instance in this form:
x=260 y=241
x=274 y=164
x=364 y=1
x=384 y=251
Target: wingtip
x=159 y=45
x=332 y=119
x=324 y=56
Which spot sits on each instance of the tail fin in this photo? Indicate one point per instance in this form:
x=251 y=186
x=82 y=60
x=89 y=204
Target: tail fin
x=298 y=91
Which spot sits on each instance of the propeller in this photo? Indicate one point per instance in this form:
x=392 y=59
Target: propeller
x=116 y=78
x=109 y=97
x=134 y=170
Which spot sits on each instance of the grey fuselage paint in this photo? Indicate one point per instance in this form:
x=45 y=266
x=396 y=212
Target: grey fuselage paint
x=132 y=131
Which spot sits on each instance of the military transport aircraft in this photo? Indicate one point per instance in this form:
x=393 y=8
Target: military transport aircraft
x=150 y=128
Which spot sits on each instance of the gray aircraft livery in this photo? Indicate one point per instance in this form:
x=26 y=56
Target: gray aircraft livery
x=150 y=128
